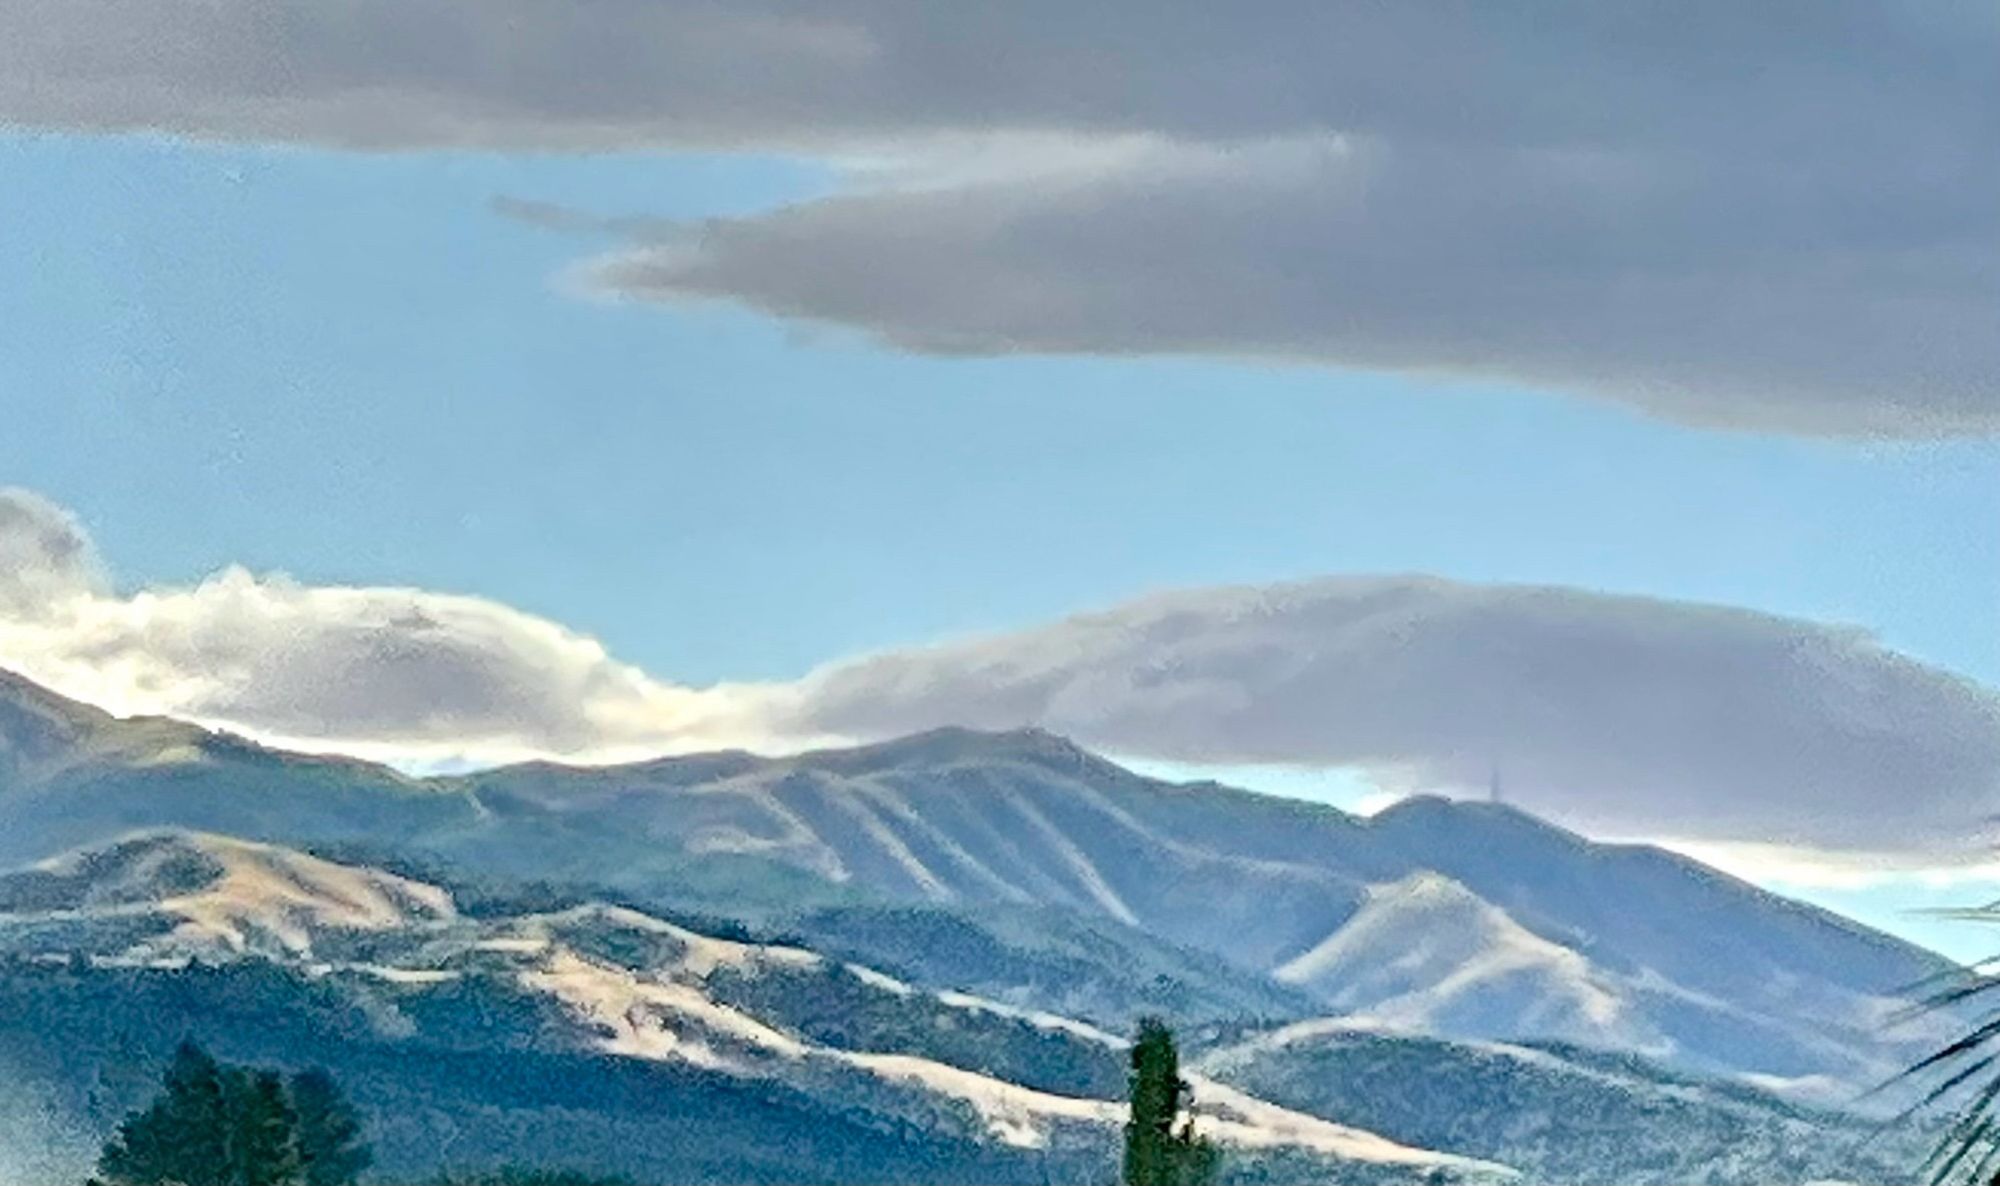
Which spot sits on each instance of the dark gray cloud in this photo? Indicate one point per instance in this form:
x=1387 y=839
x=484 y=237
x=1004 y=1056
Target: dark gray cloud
x=46 y=557
x=1781 y=215
x=1741 y=293
x=522 y=73
x=1626 y=715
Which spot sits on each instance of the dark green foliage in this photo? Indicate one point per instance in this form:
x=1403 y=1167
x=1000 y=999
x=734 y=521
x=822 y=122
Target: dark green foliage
x=521 y=1176
x=1561 y=1113
x=1155 y=1099
x=264 y=1131
x=218 y=1125
x=448 y=1101
x=1963 y=1075
x=331 y=1151
x=183 y=1137
x=1157 y=1152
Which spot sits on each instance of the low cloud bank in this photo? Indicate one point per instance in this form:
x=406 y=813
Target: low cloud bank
x=1623 y=715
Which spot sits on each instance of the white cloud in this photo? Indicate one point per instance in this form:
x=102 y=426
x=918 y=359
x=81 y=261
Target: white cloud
x=402 y=673
x=1377 y=802
x=1796 y=869
x=1778 y=216
x=1621 y=715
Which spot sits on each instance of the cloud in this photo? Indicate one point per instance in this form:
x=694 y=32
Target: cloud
x=1780 y=216
x=401 y=673
x=624 y=73
x=1796 y=869
x=389 y=74
x=1736 y=294
x=1622 y=715
x=45 y=555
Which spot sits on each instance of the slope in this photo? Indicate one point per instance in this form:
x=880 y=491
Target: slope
x=1425 y=953
x=982 y=830
x=780 y=1062
x=1559 y=1113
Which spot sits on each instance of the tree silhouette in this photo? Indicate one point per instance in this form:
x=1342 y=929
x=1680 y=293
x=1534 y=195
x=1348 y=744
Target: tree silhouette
x=183 y=1137
x=329 y=1131
x=1157 y=1153
x=218 y=1125
x=1963 y=1074
x=265 y=1131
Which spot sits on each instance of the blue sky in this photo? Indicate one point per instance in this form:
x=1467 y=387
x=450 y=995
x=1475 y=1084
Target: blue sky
x=833 y=344
x=351 y=369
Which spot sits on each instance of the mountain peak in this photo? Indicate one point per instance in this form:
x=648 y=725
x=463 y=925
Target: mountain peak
x=1429 y=953
x=1438 y=817
x=38 y=725
x=952 y=745
x=18 y=690
x=42 y=730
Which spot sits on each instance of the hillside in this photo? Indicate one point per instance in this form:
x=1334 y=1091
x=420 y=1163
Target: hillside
x=1013 y=868
x=1427 y=954
x=1558 y=1113
x=1699 y=968
x=783 y=1063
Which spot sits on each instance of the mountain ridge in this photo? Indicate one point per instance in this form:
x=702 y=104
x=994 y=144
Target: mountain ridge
x=611 y=982
x=972 y=825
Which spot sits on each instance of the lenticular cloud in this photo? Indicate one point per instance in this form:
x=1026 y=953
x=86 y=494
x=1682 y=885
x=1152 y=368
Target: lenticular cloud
x=1628 y=715
x=1777 y=217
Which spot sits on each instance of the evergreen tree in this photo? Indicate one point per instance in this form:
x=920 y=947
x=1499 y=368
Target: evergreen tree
x=216 y=1125
x=329 y=1131
x=264 y=1132
x=1156 y=1152
x=1154 y=1094
x=182 y=1137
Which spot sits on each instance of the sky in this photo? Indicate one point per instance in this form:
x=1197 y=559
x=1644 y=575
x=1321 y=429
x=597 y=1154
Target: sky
x=1345 y=402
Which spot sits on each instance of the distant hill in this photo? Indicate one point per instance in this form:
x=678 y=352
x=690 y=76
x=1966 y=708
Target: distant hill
x=1426 y=953
x=598 y=1035
x=1014 y=867
x=1558 y=1113
x=71 y=775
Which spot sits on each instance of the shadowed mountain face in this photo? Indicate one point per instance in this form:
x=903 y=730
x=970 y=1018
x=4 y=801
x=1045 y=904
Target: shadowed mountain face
x=71 y=775
x=1459 y=919
x=1558 y=1113
x=44 y=736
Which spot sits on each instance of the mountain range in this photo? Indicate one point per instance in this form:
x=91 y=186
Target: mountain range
x=914 y=961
